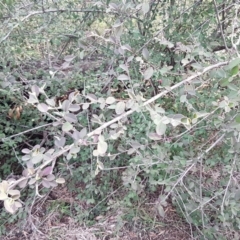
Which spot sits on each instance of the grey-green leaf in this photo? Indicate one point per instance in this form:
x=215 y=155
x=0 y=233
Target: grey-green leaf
x=145 y=53
x=148 y=73
x=74 y=108
x=145 y=7
x=32 y=98
x=110 y=100
x=120 y=108
x=42 y=107
x=66 y=127
x=123 y=77
x=70 y=117
x=102 y=147
x=161 y=128
x=233 y=63
x=161 y=211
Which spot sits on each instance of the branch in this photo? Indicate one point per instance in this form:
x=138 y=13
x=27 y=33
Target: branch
x=27 y=131
x=105 y=125
x=220 y=25
x=161 y=94
x=48 y=11
x=191 y=166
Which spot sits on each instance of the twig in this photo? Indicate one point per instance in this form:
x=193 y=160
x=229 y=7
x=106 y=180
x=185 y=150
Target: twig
x=161 y=94
x=27 y=131
x=105 y=125
x=238 y=41
x=230 y=178
x=220 y=25
x=180 y=179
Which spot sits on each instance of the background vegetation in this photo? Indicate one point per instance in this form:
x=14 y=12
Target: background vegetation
x=123 y=114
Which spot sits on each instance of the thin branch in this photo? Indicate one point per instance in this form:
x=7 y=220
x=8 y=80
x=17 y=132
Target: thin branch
x=230 y=178
x=220 y=25
x=153 y=99
x=27 y=131
x=105 y=125
x=180 y=179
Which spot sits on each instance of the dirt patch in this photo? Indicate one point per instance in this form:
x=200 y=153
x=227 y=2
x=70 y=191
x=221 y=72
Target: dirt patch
x=47 y=222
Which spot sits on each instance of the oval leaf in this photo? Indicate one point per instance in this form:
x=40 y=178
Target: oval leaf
x=102 y=147
x=110 y=100
x=60 y=180
x=9 y=205
x=145 y=53
x=35 y=90
x=120 y=108
x=42 y=107
x=154 y=136
x=46 y=171
x=145 y=7
x=26 y=150
x=74 y=108
x=66 y=127
x=161 y=128
x=70 y=117
x=148 y=73
x=51 y=102
x=123 y=77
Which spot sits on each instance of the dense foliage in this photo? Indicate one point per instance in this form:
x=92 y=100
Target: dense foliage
x=128 y=95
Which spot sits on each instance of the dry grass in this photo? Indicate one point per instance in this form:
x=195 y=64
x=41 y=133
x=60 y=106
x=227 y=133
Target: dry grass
x=43 y=224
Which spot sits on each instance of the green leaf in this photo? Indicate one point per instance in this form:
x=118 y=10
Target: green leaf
x=37 y=159
x=102 y=147
x=233 y=87
x=161 y=128
x=123 y=77
x=66 y=105
x=234 y=70
x=101 y=138
x=185 y=121
x=120 y=108
x=50 y=177
x=145 y=53
x=148 y=73
x=51 y=102
x=74 y=108
x=42 y=107
x=224 y=82
x=85 y=106
x=66 y=127
x=161 y=211
x=110 y=100
x=197 y=66
x=126 y=47
x=145 y=7
x=32 y=98
x=83 y=133
x=154 y=136
x=35 y=90
x=59 y=142
x=26 y=157
x=237 y=118
x=60 y=180
x=15 y=194
x=74 y=150
x=233 y=63
x=70 y=117
x=124 y=67
x=100 y=165
x=3 y=196
x=9 y=205
x=183 y=98
x=26 y=151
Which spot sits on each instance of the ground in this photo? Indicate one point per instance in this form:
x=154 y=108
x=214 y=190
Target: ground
x=45 y=224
